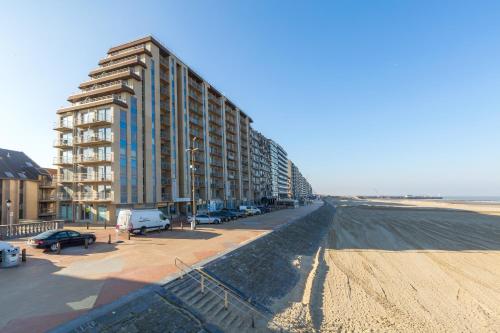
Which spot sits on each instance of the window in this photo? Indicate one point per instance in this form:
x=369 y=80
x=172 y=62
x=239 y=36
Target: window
x=73 y=234
x=62 y=234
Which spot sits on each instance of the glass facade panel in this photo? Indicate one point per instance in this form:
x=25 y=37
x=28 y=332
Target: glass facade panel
x=123 y=157
x=133 y=148
x=153 y=129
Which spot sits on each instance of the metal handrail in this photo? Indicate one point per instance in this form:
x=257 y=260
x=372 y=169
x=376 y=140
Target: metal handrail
x=187 y=270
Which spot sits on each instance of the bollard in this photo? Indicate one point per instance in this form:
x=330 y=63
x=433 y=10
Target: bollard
x=86 y=243
x=58 y=248
x=129 y=235
x=109 y=239
x=87 y=226
x=104 y=225
x=23 y=255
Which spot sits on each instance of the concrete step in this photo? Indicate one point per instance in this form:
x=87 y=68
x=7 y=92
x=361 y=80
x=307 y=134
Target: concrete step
x=210 y=305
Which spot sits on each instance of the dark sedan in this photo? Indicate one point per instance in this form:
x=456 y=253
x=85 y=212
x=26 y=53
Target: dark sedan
x=224 y=215
x=236 y=212
x=53 y=239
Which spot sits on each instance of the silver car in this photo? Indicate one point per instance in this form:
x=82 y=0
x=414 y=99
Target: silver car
x=203 y=219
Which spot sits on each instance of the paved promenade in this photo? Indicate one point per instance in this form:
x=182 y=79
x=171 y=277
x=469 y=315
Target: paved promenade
x=51 y=289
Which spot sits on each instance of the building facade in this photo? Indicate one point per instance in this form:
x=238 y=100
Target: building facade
x=27 y=191
x=261 y=167
x=300 y=188
x=126 y=138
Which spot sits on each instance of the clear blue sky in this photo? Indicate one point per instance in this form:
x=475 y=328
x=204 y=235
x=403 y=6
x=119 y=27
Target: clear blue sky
x=398 y=96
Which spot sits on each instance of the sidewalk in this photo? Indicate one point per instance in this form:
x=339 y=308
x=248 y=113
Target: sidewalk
x=51 y=289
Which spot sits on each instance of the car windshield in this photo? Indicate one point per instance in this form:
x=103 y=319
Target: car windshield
x=46 y=234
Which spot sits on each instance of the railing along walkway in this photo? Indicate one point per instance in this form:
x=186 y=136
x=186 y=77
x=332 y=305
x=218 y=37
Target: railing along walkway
x=28 y=228
x=223 y=292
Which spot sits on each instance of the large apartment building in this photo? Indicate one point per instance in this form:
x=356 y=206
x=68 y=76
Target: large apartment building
x=261 y=167
x=299 y=186
x=126 y=141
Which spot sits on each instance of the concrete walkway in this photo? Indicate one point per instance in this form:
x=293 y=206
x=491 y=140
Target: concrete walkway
x=51 y=289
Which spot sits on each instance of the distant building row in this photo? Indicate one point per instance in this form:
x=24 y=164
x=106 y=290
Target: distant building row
x=124 y=142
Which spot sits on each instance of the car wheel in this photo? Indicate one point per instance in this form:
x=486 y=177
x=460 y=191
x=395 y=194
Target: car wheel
x=90 y=241
x=54 y=247
x=143 y=230
x=166 y=227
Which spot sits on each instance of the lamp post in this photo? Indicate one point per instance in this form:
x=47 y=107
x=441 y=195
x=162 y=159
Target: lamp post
x=8 y=203
x=193 y=207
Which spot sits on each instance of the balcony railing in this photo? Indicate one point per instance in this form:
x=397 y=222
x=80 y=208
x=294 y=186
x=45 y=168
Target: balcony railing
x=64 y=197
x=60 y=160
x=47 y=183
x=63 y=125
x=93 y=177
x=63 y=143
x=95 y=158
x=94 y=120
x=94 y=196
x=63 y=178
x=47 y=198
x=93 y=139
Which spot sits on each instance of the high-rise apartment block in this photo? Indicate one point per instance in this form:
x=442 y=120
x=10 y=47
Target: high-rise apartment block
x=126 y=140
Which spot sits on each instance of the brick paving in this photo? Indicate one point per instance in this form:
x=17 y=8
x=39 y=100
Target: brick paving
x=51 y=289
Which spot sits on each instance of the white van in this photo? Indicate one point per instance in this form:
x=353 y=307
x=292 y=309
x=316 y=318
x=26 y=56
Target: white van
x=141 y=220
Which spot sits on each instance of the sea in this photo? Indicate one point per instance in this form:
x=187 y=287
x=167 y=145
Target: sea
x=487 y=199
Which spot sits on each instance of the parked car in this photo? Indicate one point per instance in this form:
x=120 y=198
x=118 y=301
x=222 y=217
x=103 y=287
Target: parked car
x=204 y=218
x=225 y=215
x=251 y=210
x=141 y=220
x=264 y=209
x=236 y=212
x=53 y=239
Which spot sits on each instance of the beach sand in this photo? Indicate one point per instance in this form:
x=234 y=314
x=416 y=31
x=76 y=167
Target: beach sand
x=404 y=266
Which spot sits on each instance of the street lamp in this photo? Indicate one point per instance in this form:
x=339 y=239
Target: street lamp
x=193 y=209
x=8 y=203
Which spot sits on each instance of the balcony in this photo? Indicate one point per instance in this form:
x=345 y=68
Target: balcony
x=63 y=143
x=95 y=102
x=63 y=160
x=48 y=212
x=94 y=177
x=47 y=198
x=94 y=120
x=95 y=158
x=126 y=62
x=101 y=91
x=123 y=74
x=64 y=197
x=63 y=126
x=94 y=196
x=214 y=99
x=93 y=140
x=47 y=184
x=64 y=178
x=127 y=53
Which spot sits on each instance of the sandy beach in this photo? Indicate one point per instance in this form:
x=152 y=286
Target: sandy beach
x=404 y=266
